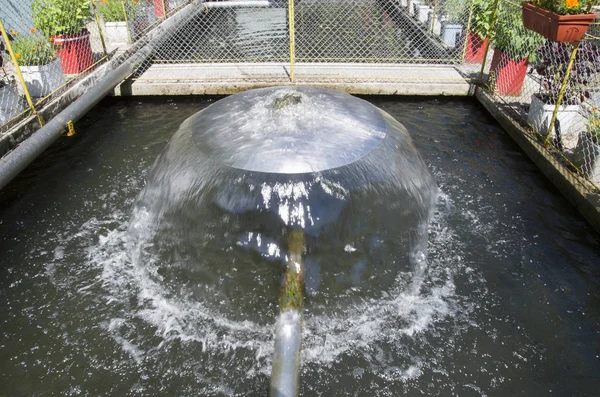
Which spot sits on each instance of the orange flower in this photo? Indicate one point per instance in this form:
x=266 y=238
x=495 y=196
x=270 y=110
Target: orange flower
x=32 y=30
x=596 y=122
x=18 y=56
x=571 y=3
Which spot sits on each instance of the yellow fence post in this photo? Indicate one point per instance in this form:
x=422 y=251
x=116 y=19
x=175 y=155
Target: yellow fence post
x=467 y=31
x=99 y=28
x=292 y=38
x=20 y=75
x=435 y=4
x=164 y=8
x=493 y=21
x=561 y=93
x=127 y=20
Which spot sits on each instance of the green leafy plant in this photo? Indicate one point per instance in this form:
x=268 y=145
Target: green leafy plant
x=112 y=10
x=511 y=38
x=593 y=125
x=33 y=50
x=455 y=10
x=481 y=21
x=565 y=7
x=61 y=17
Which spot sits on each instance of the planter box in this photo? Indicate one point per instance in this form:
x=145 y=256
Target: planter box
x=422 y=12
x=74 y=51
x=11 y=103
x=564 y=28
x=43 y=80
x=507 y=75
x=451 y=33
x=116 y=33
x=569 y=121
x=475 y=48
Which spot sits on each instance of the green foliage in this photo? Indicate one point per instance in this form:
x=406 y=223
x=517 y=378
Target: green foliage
x=564 y=7
x=510 y=37
x=593 y=125
x=33 y=50
x=61 y=17
x=481 y=21
x=456 y=10
x=112 y=10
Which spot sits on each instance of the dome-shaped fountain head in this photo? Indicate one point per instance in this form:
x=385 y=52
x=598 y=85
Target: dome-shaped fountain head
x=240 y=175
x=290 y=130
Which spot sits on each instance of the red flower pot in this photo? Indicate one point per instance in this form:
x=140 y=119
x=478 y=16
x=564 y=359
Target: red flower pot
x=507 y=75
x=159 y=10
x=564 y=28
x=74 y=51
x=475 y=48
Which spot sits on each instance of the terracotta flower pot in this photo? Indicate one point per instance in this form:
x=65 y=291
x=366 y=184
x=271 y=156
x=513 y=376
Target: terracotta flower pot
x=475 y=48
x=563 y=28
x=507 y=75
x=74 y=51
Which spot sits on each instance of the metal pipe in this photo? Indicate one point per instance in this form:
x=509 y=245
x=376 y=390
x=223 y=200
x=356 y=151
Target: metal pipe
x=17 y=160
x=285 y=372
x=285 y=375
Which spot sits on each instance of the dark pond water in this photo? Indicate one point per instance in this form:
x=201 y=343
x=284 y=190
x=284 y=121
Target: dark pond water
x=508 y=305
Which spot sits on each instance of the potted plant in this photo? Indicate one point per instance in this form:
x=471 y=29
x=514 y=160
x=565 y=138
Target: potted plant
x=551 y=66
x=590 y=147
x=112 y=13
x=455 y=12
x=558 y=20
x=514 y=47
x=39 y=65
x=478 y=36
x=10 y=100
x=63 y=21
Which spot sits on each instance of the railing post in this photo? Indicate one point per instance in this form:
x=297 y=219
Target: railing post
x=292 y=36
x=435 y=4
x=127 y=20
x=20 y=75
x=99 y=28
x=493 y=21
x=467 y=31
x=561 y=93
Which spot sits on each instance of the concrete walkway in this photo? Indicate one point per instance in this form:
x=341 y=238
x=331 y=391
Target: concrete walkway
x=354 y=78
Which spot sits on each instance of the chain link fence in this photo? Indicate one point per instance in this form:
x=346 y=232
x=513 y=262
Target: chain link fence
x=552 y=88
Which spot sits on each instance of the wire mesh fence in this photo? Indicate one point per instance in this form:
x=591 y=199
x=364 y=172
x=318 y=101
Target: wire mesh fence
x=551 y=87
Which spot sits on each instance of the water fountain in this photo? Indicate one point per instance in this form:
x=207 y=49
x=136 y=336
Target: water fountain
x=311 y=183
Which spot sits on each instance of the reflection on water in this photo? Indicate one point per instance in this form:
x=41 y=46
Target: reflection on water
x=507 y=305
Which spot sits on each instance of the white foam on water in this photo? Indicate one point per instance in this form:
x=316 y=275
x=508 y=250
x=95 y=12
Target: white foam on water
x=141 y=304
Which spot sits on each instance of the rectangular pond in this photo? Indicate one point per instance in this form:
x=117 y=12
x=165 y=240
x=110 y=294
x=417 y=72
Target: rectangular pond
x=509 y=303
